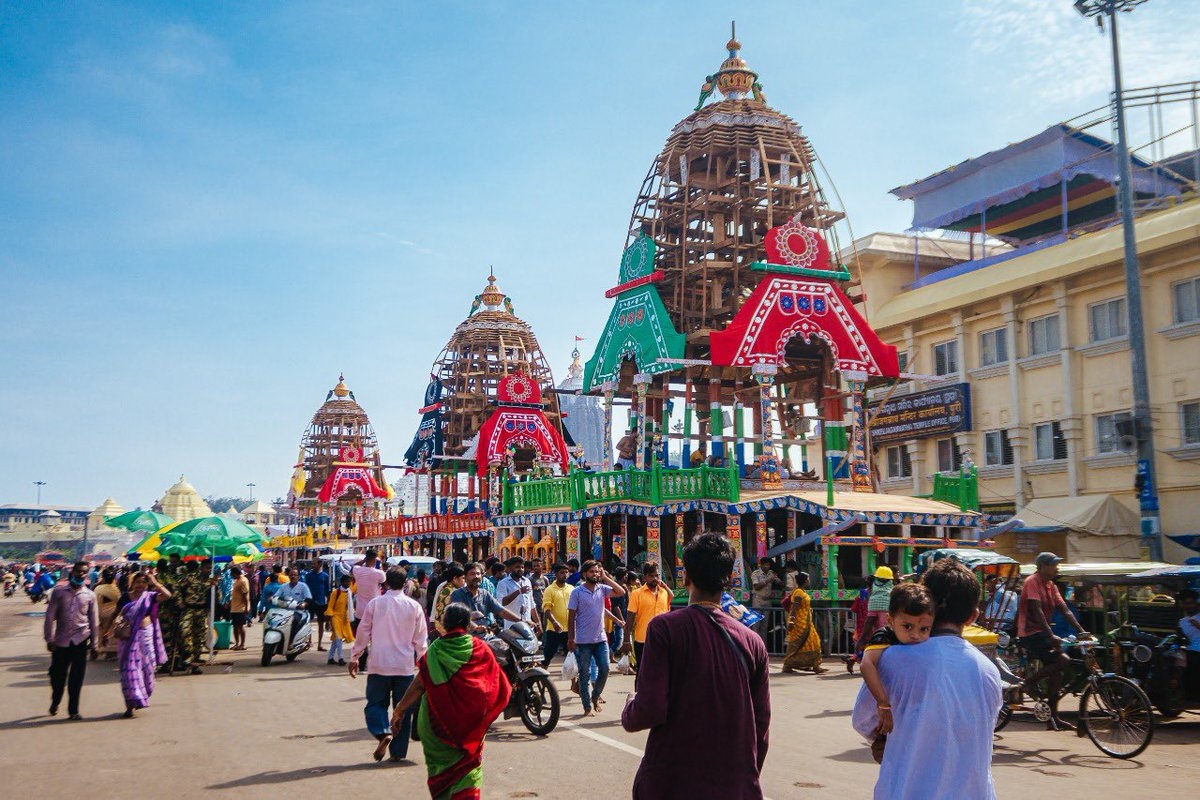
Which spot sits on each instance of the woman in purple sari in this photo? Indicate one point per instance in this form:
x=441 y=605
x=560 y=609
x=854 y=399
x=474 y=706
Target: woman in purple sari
x=143 y=652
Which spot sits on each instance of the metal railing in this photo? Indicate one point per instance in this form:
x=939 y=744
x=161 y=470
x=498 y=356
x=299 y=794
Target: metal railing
x=836 y=640
x=654 y=486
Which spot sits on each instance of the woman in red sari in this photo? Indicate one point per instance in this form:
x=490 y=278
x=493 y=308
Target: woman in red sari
x=462 y=689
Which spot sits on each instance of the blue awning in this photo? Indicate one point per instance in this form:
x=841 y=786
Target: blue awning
x=1059 y=153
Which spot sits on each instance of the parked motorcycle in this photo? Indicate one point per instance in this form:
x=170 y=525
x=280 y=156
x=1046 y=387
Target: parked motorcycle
x=287 y=631
x=534 y=697
x=1157 y=663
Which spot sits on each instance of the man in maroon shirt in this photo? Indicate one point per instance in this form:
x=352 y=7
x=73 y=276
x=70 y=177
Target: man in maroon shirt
x=702 y=670
x=71 y=631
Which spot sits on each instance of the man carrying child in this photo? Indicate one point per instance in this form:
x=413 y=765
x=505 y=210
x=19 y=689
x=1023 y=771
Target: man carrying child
x=942 y=696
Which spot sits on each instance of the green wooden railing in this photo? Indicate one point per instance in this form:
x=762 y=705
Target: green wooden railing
x=961 y=490
x=653 y=486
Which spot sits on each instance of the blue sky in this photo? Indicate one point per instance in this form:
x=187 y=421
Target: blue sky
x=208 y=210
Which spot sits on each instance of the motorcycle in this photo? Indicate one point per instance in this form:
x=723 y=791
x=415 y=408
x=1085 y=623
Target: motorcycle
x=534 y=697
x=1158 y=664
x=287 y=631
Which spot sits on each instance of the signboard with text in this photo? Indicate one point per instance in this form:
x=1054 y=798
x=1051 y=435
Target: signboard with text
x=937 y=412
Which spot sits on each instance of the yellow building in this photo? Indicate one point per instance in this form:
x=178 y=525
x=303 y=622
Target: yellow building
x=1033 y=333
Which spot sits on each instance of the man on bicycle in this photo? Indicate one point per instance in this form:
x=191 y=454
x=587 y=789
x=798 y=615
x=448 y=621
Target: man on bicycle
x=1039 y=598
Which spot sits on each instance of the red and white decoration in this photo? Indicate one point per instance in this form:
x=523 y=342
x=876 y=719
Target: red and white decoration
x=350 y=474
x=796 y=245
x=783 y=307
x=521 y=427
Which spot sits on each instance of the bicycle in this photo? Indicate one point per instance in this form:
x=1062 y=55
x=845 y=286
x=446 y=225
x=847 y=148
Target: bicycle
x=1114 y=712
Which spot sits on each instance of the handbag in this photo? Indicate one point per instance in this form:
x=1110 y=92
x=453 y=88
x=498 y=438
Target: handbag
x=121 y=627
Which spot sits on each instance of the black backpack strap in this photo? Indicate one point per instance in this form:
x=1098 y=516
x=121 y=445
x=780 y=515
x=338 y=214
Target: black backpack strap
x=741 y=654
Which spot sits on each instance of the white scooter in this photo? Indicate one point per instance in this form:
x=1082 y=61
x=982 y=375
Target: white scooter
x=278 y=638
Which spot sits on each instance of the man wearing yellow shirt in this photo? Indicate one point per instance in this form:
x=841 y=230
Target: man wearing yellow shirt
x=554 y=612
x=645 y=603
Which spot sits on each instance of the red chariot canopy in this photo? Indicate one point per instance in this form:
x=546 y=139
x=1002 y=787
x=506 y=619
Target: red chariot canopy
x=519 y=422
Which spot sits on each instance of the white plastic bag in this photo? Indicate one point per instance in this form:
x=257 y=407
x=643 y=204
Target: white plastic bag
x=623 y=666
x=570 y=667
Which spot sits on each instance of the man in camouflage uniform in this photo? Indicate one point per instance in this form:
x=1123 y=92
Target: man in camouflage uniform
x=169 y=611
x=193 y=623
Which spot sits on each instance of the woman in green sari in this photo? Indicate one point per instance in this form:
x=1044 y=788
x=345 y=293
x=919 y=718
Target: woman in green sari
x=462 y=689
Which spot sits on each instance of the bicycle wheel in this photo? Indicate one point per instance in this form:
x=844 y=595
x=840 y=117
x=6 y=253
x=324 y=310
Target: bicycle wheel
x=1003 y=718
x=1117 y=716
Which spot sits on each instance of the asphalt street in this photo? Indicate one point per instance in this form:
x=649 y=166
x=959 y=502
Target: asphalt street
x=244 y=730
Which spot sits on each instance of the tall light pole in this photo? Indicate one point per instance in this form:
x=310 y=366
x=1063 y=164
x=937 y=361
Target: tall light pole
x=251 y=487
x=39 y=485
x=1143 y=426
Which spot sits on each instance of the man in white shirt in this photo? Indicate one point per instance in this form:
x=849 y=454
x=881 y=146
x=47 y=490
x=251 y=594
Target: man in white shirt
x=393 y=627
x=515 y=593
x=944 y=696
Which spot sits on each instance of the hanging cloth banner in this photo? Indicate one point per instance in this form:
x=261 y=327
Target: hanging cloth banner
x=428 y=443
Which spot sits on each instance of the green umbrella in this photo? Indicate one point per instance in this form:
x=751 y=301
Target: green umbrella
x=139 y=521
x=199 y=544
x=220 y=527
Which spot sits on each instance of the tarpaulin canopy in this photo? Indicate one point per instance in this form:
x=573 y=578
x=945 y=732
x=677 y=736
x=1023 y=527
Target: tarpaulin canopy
x=971 y=558
x=1059 y=153
x=1099 y=527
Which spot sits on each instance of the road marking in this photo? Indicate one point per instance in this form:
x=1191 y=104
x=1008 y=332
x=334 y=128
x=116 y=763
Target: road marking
x=600 y=737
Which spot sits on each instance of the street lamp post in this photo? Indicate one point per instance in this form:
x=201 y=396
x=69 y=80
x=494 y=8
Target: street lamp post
x=251 y=487
x=1143 y=426
x=39 y=485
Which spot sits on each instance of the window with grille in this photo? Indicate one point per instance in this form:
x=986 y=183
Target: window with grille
x=899 y=463
x=993 y=347
x=1107 y=320
x=903 y=359
x=945 y=358
x=997 y=451
x=1114 y=433
x=1049 y=444
x=1043 y=335
x=1189 y=419
x=1186 y=297
x=949 y=456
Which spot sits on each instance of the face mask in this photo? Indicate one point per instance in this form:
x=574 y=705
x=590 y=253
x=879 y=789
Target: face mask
x=77 y=581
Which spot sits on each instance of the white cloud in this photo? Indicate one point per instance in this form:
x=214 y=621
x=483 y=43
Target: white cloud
x=1048 y=52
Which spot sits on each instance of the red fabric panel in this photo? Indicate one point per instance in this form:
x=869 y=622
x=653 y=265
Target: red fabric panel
x=782 y=307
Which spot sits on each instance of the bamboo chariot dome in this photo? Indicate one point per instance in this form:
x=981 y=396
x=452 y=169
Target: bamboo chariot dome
x=490 y=344
x=729 y=172
x=339 y=425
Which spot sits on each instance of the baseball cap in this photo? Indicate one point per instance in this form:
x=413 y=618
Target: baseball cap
x=884 y=573
x=1044 y=559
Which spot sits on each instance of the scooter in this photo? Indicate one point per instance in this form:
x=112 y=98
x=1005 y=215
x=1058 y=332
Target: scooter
x=281 y=633
x=534 y=697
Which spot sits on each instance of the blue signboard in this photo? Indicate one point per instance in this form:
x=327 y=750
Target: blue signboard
x=937 y=412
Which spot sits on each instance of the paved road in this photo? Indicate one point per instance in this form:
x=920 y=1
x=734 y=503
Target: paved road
x=241 y=730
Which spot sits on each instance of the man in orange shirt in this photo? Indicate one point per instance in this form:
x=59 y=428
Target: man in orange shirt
x=1039 y=598
x=645 y=603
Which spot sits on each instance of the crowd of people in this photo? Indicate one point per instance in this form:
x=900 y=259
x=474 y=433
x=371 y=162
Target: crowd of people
x=419 y=638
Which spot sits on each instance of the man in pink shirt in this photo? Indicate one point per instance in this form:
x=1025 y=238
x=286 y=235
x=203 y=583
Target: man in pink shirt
x=368 y=578
x=393 y=627
x=71 y=630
